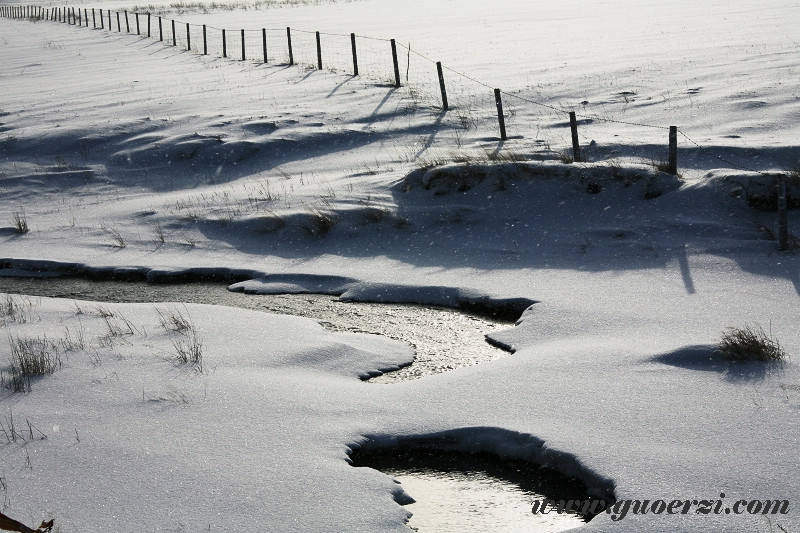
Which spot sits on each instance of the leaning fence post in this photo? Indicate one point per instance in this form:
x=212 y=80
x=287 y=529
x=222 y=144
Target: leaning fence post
x=110 y=28
x=500 y=118
x=355 y=55
x=80 y=22
x=188 y=37
x=441 y=85
x=783 y=217
x=319 y=52
x=94 y=19
x=205 y=42
x=119 y=26
x=289 y=40
x=86 y=16
x=264 y=42
x=174 y=39
x=672 y=164
x=576 y=147
x=396 y=65
x=138 y=31
x=243 y=54
x=127 y=24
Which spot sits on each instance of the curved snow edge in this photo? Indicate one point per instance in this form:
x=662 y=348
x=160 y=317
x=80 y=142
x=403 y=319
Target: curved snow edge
x=503 y=443
x=255 y=282
x=350 y=289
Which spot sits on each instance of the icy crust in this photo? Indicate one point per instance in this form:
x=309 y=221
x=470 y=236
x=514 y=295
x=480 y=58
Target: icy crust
x=503 y=443
x=348 y=289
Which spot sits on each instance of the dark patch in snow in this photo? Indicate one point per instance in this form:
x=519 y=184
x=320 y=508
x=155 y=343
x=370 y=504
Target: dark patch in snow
x=522 y=459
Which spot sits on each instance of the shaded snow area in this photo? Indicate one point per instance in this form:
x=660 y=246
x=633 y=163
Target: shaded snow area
x=129 y=158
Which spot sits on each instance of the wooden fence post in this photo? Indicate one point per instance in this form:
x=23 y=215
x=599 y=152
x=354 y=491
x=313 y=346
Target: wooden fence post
x=80 y=22
x=119 y=26
x=289 y=39
x=672 y=164
x=243 y=47
x=188 y=37
x=441 y=85
x=205 y=41
x=86 y=16
x=127 y=23
x=783 y=217
x=500 y=118
x=395 y=64
x=94 y=19
x=264 y=42
x=224 y=45
x=138 y=31
x=148 y=25
x=576 y=147
x=319 y=52
x=355 y=55
x=174 y=38
x=160 y=29
x=110 y=28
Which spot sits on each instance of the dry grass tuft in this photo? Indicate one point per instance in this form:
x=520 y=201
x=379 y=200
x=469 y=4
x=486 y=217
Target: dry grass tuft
x=749 y=344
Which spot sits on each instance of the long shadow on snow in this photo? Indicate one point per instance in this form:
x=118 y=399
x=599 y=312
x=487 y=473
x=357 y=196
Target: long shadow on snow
x=142 y=155
x=702 y=358
x=693 y=157
x=536 y=222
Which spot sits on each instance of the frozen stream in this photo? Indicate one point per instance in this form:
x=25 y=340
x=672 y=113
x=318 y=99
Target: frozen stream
x=444 y=338
x=452 y=492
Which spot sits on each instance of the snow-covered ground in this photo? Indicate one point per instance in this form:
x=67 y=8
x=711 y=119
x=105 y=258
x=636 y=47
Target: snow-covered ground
x=124 y=154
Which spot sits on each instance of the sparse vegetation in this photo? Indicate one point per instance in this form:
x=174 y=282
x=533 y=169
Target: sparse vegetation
x=749 y=344
x=116 y=238
x=189 y=348
x=566 y=157
x=318 y=223
x=20 y=221
x=174 y=321
x=16 y=309
x=31 y=357
x=158 y=233
x=662 y=165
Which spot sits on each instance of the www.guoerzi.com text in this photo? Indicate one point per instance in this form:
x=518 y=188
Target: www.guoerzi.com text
x=622 y=508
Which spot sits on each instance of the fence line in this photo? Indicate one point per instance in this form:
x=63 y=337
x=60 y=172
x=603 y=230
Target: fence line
x=357 y=54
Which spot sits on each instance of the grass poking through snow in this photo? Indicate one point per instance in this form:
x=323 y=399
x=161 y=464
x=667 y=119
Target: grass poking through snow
x=749 y=344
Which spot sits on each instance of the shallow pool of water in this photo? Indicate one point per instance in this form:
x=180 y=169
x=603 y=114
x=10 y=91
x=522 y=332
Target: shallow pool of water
x=443 y=338
x=465 y=493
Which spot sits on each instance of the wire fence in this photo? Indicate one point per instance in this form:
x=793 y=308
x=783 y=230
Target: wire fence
x=474 y=103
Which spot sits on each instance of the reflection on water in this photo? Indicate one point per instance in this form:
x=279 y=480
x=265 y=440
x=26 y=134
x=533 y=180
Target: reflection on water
x=443 y=338
x=462 y=493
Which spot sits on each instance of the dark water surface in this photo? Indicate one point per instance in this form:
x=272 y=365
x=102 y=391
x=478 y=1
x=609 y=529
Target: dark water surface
x=471 y=493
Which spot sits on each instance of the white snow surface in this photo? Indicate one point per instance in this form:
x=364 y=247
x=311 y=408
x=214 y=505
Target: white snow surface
x=127 y=155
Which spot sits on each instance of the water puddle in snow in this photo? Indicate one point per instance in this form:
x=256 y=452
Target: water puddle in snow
x=443 y=338
x=464 y=493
